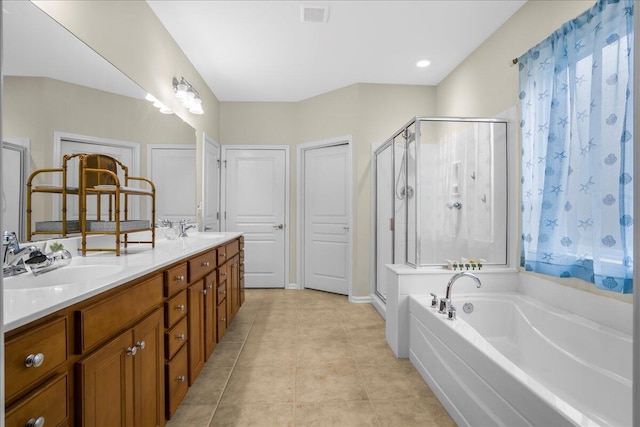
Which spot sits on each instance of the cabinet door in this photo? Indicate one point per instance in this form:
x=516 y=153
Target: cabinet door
x=106 y=384
x=210 y=318
x=229 y=290
x=148 y=368
x=195 y=313
x=235 y=284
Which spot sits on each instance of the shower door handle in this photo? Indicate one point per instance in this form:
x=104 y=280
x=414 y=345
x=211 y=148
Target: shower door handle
x=278 y=226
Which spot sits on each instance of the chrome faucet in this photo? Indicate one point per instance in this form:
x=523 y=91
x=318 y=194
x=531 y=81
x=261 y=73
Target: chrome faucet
x=14 y=256
x=183 y=227
x=17 y=260
x=446 y=307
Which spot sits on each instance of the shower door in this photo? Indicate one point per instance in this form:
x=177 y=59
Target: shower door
x=384 y=216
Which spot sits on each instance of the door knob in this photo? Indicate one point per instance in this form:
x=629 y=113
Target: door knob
x=278 y=226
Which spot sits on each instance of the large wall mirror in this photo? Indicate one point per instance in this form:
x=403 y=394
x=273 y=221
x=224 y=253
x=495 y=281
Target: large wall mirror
x=60 y=95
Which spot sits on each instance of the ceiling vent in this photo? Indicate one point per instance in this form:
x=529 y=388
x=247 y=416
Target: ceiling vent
x=315 y=13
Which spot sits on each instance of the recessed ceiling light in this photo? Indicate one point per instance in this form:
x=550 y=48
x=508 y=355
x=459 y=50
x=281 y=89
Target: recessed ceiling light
x=423 y=63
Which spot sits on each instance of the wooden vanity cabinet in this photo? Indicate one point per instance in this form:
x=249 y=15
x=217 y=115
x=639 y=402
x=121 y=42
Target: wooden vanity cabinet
x=124 y=357
x=49 y=403
x=210 y=314
x=221 y=300
x=241 y=278
x=196 y=315
x=46 y=342
x=122 y=382
x=176 y=335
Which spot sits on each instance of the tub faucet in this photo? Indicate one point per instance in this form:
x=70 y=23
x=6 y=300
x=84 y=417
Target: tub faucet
x=445 y=303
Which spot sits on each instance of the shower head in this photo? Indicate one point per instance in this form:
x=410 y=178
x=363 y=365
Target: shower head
x=408 y=135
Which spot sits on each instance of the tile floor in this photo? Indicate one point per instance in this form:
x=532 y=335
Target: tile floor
x=307 y=358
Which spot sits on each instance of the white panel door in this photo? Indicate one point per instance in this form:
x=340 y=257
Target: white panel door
x=326 y=219
x=173 y=172
x=255 y=203
x=15 y=165
x=210 y=184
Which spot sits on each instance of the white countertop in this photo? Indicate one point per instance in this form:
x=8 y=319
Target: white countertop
x=25 y=305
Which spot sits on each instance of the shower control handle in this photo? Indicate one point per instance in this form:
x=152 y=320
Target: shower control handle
x=434 y=300
x=278 y=226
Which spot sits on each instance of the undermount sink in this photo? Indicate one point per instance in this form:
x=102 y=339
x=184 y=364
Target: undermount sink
x=206 y=236
x=62 y=276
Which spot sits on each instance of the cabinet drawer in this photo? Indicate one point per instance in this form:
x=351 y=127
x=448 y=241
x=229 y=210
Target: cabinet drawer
x=226 y=252
x=176 y=378
x=175 y=308
x=175 y=279
x=175 y=338
x=201 y=265
x=233 y=248
x=48 y=402
x=48 y=340
x=103 y=319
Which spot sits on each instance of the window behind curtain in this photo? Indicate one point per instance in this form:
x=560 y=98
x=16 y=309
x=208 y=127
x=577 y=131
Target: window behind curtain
x=577 y=149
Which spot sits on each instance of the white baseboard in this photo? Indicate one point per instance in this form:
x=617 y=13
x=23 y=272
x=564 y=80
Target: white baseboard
x=360 y=300
x=379 y=305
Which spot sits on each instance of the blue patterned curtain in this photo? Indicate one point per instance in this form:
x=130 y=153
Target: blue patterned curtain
x=577 y=149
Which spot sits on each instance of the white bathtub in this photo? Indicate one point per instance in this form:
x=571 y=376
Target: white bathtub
x=515 y=361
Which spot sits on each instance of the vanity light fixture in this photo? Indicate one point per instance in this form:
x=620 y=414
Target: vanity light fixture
x=189 y=96
x=159 y=105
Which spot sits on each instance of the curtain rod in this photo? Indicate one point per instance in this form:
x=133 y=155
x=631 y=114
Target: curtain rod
x=514 y=61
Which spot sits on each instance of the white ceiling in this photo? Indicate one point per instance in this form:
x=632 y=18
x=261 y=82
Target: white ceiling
x=261 y=51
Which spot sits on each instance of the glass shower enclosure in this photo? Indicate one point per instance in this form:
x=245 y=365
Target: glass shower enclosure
x=440 y=190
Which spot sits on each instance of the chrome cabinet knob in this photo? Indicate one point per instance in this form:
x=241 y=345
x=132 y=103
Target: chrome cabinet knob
x=180 y=278
x=35 y=422
x=131 y=351
x=180 y=337
x=181 y=378
x=209 y=287
x=180 y=307
x=140 y=345
x=204 y=291
x=34 y=360
x=206 y=264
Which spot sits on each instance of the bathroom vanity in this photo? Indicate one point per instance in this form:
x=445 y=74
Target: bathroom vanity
x=122 y=346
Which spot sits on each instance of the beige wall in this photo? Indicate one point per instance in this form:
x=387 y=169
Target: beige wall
x=367 y=112
x=486 y=82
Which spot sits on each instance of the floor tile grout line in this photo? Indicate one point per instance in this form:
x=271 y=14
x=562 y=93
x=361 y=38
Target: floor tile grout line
x=226 y=383
x=360 y=374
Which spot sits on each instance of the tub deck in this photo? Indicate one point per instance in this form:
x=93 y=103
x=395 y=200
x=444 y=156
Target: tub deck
x=517 y=361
